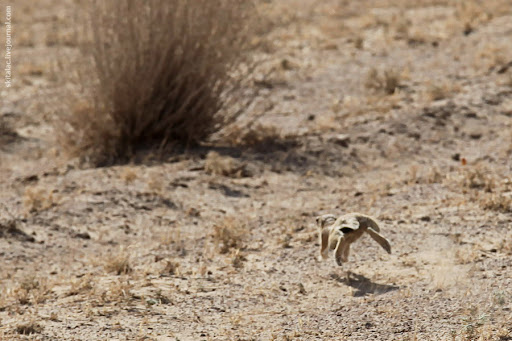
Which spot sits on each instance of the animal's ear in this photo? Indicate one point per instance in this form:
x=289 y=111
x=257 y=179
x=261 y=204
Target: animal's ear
x=330 y=219
x=317 y=219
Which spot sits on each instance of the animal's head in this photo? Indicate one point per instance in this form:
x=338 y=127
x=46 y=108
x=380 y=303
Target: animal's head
x=325 y=220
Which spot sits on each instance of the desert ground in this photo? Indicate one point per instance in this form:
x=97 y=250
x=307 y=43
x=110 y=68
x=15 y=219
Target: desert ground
x=397 y=109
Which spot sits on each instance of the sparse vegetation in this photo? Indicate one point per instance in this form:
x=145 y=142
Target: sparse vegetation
x=29 y=328
x=218 y=241
x=119 y=290
x=478 y=177
x=7 y=134
x=81 y=285
x=171 y=268
x=39 y=199
x=497 y=202
x=439 y=91
x=229 y=234
x=505 y=244
x=255 y=135
x=129 y=175
x=163 y=72
x=224 y=165
x=385 y=81
x=30 y=291
x=119 y=264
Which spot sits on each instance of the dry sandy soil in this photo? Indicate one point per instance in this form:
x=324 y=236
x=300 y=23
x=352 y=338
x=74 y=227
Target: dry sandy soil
x=398 y=109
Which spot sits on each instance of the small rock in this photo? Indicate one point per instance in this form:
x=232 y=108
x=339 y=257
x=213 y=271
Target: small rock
x=193 y=212
x=302 y=290
x=341 y=139
x=82 y=235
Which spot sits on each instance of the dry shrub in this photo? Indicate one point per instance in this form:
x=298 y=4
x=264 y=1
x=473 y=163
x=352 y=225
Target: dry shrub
x=386 y=81
x=229 y=234
x=156 y=73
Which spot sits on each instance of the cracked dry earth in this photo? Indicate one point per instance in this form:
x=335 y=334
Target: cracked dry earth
x=185 y=249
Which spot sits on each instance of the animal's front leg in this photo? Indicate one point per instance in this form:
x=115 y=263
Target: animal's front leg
x=324 y=244
x=338 y=253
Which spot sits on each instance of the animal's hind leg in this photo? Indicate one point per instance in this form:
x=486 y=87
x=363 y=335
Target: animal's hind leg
x=379 y=239
x=346 y=251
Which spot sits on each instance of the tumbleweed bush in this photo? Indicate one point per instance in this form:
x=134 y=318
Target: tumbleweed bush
x=155 y=73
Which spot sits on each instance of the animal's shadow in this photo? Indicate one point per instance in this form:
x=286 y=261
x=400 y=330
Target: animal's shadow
x=364 y=285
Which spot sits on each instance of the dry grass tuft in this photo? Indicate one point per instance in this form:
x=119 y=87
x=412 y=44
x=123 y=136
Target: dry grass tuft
x=82 y=285
x=497 y=202
x=386 y=81
x=119 y=264
x=237 y=259
x=7 y=133
x=508 y=80
x=478 y=178
x=506 y=244
x=9 y=228
x=129 y=175
x=229 y=234
x=489 y=189
x=39 y=199
x=119 y=290
x=254 y=136
x=29 y=328
x=440 y=91
x=162 y=72
x=171 y=268
x=31 y=291
x=474 y=324
x=466 y=255
x=224 y=165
